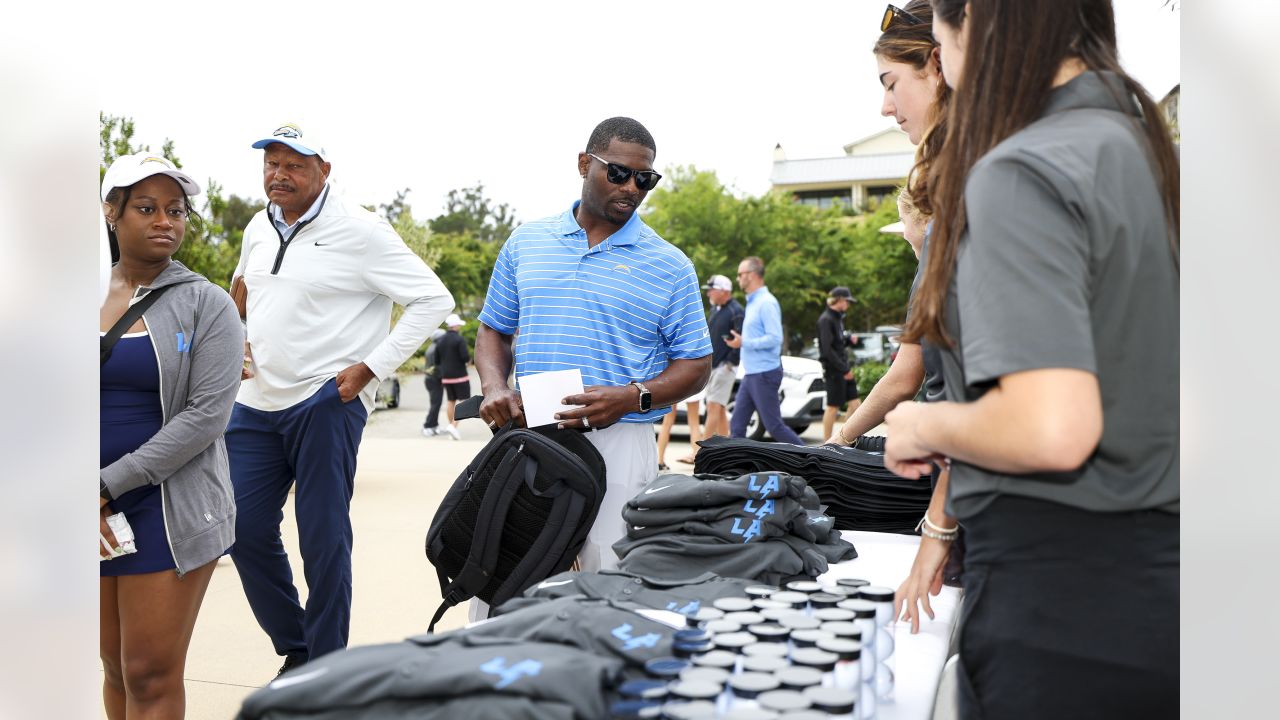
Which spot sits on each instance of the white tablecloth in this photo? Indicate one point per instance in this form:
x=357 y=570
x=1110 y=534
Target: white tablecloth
x=885 y=559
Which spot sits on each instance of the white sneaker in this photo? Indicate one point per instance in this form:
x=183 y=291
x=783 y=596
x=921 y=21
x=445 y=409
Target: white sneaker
x=430 y=432
x=453 y=432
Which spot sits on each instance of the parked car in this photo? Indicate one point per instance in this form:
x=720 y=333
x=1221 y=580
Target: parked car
x=880 y=346
x=870 y=347
x=802 y=394
x=894 y=334
x=388 y=394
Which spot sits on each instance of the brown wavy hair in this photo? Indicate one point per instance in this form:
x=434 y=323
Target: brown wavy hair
x=914 y=45
x=1015 y=50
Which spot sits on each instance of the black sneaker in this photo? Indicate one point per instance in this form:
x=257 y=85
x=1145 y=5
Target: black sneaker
x=291 y=662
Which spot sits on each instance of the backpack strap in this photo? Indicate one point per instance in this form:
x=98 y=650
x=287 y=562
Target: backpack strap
x=539 y=561
x=108 y=341
x=469 y=408
x=485 y=538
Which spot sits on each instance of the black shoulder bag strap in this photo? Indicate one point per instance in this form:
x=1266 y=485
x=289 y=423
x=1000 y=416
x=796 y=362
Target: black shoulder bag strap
x=108 y=341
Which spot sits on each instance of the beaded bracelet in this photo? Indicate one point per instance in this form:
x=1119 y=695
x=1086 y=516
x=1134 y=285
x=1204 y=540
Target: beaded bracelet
x=929 y=530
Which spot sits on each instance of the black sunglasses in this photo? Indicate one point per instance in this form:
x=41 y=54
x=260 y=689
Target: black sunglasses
x=646 y=180
x=892 y=13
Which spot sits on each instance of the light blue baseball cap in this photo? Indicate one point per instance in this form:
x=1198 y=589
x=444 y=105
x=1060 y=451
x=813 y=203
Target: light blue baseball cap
x=291 y=135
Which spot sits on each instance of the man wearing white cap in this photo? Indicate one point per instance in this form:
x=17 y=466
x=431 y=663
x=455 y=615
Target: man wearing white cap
x=724 y=319
x=320 y=275
x=453 y=356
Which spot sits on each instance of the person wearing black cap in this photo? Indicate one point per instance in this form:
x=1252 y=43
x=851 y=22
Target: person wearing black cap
x=837 y=375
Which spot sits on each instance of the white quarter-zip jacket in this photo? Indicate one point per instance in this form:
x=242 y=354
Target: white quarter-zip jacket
x=320 y=297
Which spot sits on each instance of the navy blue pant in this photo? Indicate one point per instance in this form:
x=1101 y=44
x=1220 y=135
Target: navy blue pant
x=313 y=443
x=758 y=393
x=435 y=391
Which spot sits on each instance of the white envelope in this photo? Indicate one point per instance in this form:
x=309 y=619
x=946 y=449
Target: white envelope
x=542 y=393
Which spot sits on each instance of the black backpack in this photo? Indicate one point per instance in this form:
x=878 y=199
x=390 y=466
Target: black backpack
x=518 y=514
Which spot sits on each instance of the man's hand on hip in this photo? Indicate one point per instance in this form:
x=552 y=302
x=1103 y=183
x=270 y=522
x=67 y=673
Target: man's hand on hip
x=351 y=380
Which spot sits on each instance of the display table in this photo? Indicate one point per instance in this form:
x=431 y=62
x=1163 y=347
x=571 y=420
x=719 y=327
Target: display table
x=885 y=559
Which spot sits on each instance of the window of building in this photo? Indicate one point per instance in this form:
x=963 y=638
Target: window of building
x=824 y=199
x=880 y=192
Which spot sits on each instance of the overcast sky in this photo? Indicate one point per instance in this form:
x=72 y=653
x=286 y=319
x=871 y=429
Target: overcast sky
x=436 y=96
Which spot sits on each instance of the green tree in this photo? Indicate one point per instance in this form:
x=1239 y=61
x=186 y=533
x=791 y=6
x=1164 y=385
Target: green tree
x=461 y=256
x=469 y=211
x=397 y=207
x=117 y=139
x=806 y=251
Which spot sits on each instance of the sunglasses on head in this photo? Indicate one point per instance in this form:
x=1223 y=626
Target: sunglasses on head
x=892 y=13
x=617 y=174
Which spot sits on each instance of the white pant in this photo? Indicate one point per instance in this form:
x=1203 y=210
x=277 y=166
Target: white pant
x=630 y=452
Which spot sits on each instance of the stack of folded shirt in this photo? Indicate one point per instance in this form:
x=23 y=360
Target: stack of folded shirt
x=767 y=526
x=684 y=596
x=453 y=675
x=859 y=492
x=625 y=631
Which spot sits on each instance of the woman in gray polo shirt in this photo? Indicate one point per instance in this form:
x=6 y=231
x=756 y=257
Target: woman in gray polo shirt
x=1052 y=285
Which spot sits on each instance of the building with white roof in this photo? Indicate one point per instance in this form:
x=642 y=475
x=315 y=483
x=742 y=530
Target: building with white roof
x=873 y=167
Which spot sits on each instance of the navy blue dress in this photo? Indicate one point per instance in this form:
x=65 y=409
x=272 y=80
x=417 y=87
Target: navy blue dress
x=130 y=415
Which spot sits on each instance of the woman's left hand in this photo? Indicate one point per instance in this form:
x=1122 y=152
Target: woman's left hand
x=924 y=580
x=905 y=454
x=105 y=531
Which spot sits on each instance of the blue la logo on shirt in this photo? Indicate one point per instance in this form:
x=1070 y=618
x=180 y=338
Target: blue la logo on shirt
x=748 y=532
x=689 y=609
x=771 y=485
x=623 y=632
x=757 y=512
x=184 y=342
x=508 y=675
x=766 y=509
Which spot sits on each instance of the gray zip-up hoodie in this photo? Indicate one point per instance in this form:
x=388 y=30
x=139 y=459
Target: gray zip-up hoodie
x=199 y=346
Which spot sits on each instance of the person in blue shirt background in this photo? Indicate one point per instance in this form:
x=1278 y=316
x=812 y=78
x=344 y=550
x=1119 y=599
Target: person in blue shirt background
x=761 y=343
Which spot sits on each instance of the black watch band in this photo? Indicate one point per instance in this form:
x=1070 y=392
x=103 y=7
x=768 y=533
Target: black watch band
x=103 y=491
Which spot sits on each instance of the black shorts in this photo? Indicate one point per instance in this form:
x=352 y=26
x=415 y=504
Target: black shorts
x=457 y=391
x=839 y=390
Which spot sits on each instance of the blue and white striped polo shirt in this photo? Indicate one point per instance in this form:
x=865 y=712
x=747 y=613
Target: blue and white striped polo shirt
x=617 y=311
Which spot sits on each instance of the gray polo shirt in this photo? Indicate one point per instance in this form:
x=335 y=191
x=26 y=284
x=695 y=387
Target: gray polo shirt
x=1066 y=264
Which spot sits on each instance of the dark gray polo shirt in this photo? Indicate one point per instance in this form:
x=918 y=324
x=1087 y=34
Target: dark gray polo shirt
x=1066 y=264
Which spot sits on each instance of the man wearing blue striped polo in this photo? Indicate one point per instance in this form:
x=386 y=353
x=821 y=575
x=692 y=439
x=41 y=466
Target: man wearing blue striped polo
x=594 y=288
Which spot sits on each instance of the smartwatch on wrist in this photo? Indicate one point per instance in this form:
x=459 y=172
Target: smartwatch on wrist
x=646 y=398
x=103 y=492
